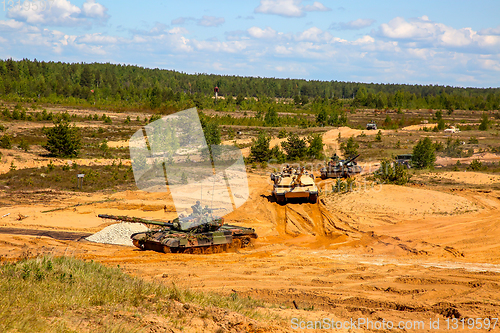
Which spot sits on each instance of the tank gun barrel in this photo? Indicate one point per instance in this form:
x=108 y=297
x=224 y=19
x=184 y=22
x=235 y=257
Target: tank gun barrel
x=135 y=220
x=352 y=159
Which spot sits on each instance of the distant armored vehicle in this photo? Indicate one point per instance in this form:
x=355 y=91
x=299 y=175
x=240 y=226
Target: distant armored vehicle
x=452 y=129
x=404 y=159
x=291 y=183
x=192 y=234
x=341 y=169
x=371 y=125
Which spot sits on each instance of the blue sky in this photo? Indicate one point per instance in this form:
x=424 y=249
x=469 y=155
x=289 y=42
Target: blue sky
x=422 y=42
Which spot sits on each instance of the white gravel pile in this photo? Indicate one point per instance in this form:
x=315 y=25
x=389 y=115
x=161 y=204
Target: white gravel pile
x=118 y=233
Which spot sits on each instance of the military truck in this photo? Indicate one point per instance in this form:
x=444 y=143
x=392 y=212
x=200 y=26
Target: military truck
x=371 y=126
x=341 y=169
x=196 y=234
x=404 y=159
x=294 y=183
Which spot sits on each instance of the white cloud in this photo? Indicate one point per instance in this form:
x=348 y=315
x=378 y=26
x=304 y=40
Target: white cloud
x=490 y=31
x=61 y=13
x=288 y=8
x=422 y=32
x=314 y=34
x=211 y=21
x=205 y=21
x=355 y=25
x=181 y=20
x=316 y=7
x=257 y=32
x=97 y=38
x=10 y=25
x=93 y=9
x=401 y=50
x=178 y=31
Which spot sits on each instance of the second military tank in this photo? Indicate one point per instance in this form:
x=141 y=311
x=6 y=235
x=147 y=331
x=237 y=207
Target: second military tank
x=341 y=169
x=292 y=183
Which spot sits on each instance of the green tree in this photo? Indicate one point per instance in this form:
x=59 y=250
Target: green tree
x=378 y=136
x=349 y=148
x=63 y=140
x=87 y=77
x=5 y=141
x=484 y=122
x=424 y=155
x=155 y=98
x=259 y=151
x=322 y=117
x=315 y=149
x=439 y=115
x=211 y=130
x=271 y=117
x=361 y=95
x=239 y=99
x=295 y=147
x=441 y=124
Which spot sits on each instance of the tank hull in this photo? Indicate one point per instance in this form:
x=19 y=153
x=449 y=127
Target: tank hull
x=170 y=241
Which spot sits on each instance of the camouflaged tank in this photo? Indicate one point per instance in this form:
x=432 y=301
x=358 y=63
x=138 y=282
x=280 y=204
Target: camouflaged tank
x=341 y=169
x=291 y=183
x=192 y=234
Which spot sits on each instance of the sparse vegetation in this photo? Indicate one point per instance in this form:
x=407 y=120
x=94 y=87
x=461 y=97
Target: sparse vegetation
x=5 y=141
x=47 y=294
x=392 y=173
x=476 y=165
x=349 y=148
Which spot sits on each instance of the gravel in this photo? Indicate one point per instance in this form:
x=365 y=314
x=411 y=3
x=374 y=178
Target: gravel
x=118 y=233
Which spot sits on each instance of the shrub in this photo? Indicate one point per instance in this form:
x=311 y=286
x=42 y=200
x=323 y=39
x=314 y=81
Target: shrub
x=282 y=134
x=484 y=122
x=271 y=118
x=23 y=144
x=63 y=140
x=453 y=148
x=473 y=140
x=349 y=148
x=6 y=141
x=378 y=137
x=259 y=151
x=315 y=149
x=476 y=165
x=441 y=125
x=424 y=154
x=392 y=173
x=295 y=147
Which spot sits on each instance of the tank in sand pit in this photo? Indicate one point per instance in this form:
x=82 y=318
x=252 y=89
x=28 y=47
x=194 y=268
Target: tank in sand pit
x=291 y=183
x=196 y=233
x=341 y=169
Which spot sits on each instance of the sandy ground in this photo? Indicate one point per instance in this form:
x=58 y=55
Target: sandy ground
x=393 y=253
x=384 y=252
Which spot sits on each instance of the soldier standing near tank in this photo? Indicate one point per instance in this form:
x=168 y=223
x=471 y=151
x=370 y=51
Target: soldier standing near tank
x=197 y=209
x=206 y=210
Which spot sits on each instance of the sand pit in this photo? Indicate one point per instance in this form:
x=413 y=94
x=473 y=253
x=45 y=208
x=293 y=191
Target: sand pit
x=118 y=234
x=400 y=200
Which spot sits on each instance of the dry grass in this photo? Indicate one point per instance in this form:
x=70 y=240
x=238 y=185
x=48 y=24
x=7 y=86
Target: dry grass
x=47 y=294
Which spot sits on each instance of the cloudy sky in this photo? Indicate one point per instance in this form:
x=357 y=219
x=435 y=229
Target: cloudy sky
x=450 y=42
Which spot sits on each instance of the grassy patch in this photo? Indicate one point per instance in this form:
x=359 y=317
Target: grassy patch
x=64 y=294
x=64 y=178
